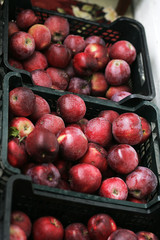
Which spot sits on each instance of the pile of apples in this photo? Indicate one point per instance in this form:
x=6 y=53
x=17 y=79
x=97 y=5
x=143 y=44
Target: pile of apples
x=58 y=59
x=64 y=149
x=100 y=226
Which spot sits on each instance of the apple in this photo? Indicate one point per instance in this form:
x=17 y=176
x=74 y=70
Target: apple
x=48 y=227
x=102 y=133
x=79 y=85
x=135 y=200
x=70 y=69
x=97 y=156
x=42 y=145
x=84 y=64
x=58 y=55
x=17 y=155
x=41 y=107
x=22 y=220
x=141 y=182
x=114 y=89
x=12 y=28
x=71 y=108
x=63 y=184
x=110 y=115
x=82 y=123
x=123 y=158
x=114 y=188
x=36 y=61
x=143 y=235
x=123 y=50
x=73 y=143
x=21 y=45
x=75 y=43
x=41 y=35
x=21 y=101
x=123 y=234
x=15 y=63
x=63 y=166
x=41 y=78
x=95 y=39
x=84 y=178
x=23 y=125
x=15 y=232
x=26 y=18
x=44 y=174
x=127 y=128
x=146 y=128
x=76 y=231
x=117 y=72
x=58 y=26
x=120 y=95
x=99 y=52
x=59 y=77
x=99 y=84
x=100 y=226
x=53 y=123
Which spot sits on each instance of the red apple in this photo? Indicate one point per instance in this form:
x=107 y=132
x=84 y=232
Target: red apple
x=73 y=143
x=44 y=174
x=101 y=226
x=21 y=101
x=117 y=72
x=15 y=232
x=48 y=227
x=119 y=158
x=76 y=231
x=41 y=78
x=95 y=39
x=123 y=234
x=58 y=26
x=42 y=145
x=53 y=123
x=143 y=235
x=26 y=18
x=141 y=182
x=17 y=155
x=15 y=63
x=114 y=188
x=114 y=89
x=84 y=178
x=63 y=166
x=12 y=28
x=82 y=123
x=71 y=108
x=36 y=61
x=99 y=84
x=97 y=156
x=58 y=55
x=23 y=125
x=70 y=69
x=127 y=128
x=110 y=115
x=84 y=64
x=79 y=85
x=102 y=133
x=75 y=43
x=41 y=35
x=22 y=220
x=21 y=45
x=59 y=77
x=123 y=50
x=135 y=200
x=120 y=95
x=41 y=107
x=146 y=128
x=99 y=52
x=63 y=184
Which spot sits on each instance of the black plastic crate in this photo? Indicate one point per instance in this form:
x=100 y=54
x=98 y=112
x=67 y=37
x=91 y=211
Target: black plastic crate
x=146 y=214
x=123 y=28
x=22 y=195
